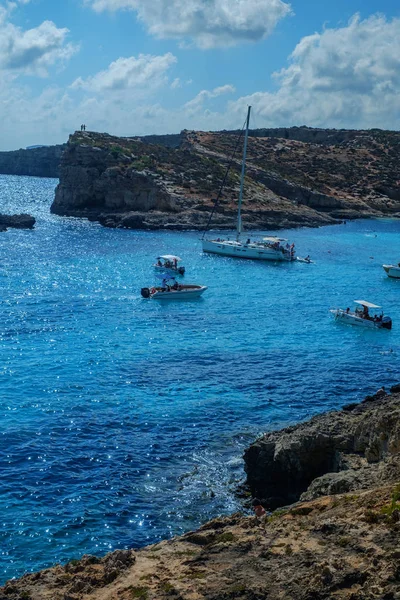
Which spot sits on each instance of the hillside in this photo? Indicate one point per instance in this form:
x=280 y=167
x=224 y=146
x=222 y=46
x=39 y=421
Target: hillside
x=129 y=182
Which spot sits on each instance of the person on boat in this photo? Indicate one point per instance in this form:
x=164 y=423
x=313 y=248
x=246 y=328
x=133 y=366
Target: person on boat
x=365 y=312
x=347 y=310
x=159 y=263
x=248 y=241
x=175 y=263
x=307 y=258
x=175 y=286
x=258 y=508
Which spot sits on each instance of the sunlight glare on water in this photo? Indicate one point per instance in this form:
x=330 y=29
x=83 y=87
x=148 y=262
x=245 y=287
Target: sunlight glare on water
x=123 y=420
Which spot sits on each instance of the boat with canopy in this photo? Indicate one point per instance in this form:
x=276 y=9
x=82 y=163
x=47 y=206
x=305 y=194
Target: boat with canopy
x=362 y=316
x=168 y=263
x=269 y=248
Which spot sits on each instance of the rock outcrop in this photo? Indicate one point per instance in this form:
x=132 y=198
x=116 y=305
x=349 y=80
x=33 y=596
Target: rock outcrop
x=22 y=221
x=43 y=161
x=129 y=182
x=336 y=452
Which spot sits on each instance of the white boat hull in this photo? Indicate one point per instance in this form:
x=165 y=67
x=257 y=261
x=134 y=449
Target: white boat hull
x=186 y=292
x=352 y=319
x=392 y=271
x=169 y=270
x=239 y=250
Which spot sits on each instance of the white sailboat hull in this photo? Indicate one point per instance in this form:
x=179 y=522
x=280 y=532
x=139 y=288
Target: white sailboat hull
x=392 y=271
x=239 y=250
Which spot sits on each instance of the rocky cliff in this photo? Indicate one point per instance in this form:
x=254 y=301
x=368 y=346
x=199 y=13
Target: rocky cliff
x=43 y=161
x=128 y=182
x=344 y=545
x=332 y=453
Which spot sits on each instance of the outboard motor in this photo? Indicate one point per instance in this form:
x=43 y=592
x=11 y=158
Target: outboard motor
x=145 y=292
x=386 y=323
x=181 y=270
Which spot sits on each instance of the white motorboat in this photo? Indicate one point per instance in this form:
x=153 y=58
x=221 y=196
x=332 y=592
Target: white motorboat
x=168 y=263
x=174 y=292
x=392 y=270
x=270 y=248
x=362 y=316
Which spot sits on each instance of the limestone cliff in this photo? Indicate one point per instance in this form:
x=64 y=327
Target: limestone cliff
x=335 y=452
x=128 y=182
x=43 y=161
x=342 y=545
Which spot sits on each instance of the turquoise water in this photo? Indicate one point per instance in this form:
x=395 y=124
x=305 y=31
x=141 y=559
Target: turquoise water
x=123 y=421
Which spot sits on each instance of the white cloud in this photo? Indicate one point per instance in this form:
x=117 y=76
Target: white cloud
x=129 y=73
x=32 y=51
x=344 y=77
x=209 y=23
x=197 y=102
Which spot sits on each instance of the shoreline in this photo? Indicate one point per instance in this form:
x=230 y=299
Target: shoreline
x=335 y=459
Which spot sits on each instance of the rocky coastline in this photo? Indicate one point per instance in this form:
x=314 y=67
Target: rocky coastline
x=336 y=534
x=139 y=183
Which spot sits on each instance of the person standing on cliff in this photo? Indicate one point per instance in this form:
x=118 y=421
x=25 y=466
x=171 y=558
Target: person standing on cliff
x=258 y=508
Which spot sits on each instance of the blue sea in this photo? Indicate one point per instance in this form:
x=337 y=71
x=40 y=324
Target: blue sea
x=122 y=420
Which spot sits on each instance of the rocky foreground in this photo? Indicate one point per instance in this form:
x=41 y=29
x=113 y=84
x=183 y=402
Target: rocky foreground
x=132 y=183
x=345 y=545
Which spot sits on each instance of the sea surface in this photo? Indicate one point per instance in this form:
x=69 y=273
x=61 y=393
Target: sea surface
x=123 y=420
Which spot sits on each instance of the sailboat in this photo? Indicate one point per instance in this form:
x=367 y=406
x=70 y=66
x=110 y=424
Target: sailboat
x=270 y=248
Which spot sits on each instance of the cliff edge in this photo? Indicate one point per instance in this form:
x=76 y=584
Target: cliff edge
x=129 y=182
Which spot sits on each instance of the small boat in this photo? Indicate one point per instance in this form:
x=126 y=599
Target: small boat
x=180 y=292
x=168 y=263
x=362 y=316
x=270 y=248
x=392 y=270
x=307 y=260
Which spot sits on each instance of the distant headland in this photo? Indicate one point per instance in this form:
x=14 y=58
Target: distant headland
x=296 y=176
x=137 y=183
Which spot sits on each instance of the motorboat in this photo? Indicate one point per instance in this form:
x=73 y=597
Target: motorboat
x=392 y=270
x=270 y=248
x=168 y=263
x=174 y=292
x=362 y=316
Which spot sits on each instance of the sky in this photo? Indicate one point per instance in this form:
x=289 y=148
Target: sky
x=137 y=67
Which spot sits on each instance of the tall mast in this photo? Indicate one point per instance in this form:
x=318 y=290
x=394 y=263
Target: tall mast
x=239 y=218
